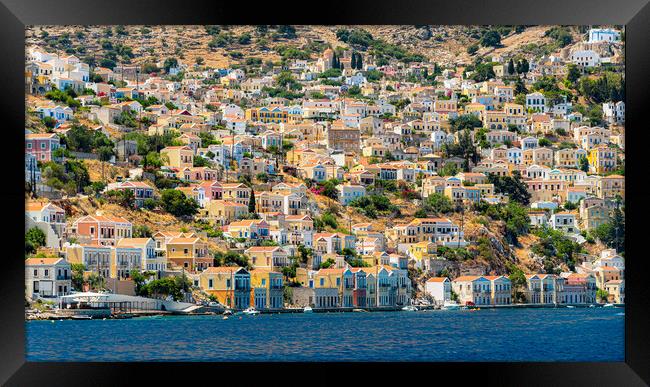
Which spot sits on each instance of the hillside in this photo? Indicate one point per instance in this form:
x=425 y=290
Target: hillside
x=443 y=44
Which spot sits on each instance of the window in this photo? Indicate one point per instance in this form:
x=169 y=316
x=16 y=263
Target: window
x=35 y=272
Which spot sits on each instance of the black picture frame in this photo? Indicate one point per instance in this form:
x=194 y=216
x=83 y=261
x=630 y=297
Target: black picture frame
x=634 y=14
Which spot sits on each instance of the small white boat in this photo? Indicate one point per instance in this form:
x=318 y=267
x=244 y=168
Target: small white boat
x=224 y=318
x=592 y=306
x=82 y=317
x=307 y=309
x=450 y=305
x=410 y=308
x=608 y=305
x=570 y=306
x=251 y=311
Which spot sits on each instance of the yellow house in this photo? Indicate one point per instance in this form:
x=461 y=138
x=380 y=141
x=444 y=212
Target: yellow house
x=487 y=190
x=422 y=250
x=230 y=285
x=268 y=114
x=178 y=156
x=235 y=192
x=188 y=253
x=475 y=108
x=616 y=291
x=266 y=289
x=602 y=159
x=495 y=120
x=224 y=211
x=269 y=257
x=499 y=70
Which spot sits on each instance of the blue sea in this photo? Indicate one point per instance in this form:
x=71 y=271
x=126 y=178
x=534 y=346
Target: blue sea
x=559 y=334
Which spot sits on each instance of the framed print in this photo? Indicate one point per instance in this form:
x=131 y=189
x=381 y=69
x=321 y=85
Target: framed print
x=442 y=192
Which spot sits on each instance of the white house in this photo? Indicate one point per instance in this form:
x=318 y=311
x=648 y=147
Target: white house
x=614 y=112
x=514 y=155
x=47 y=277
x=536 y=101
x=597 y=35
x=350 y=192
x=585 y=58
x=564 y=221
x=529 y=143
x=439 y=288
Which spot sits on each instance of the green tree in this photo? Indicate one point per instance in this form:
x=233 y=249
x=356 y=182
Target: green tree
x=359 y=62
x=518 y=281
x=124 y=198
x=602 y=295
x=583 y=164
x=439 y=204
x=573 y=73
x=327 y=264
x=464 y=148
x=176 y=203
x=142 y=231
x=490 y=39
x=512 y=186
x=251 y=203
x=449 y=169
x=34 y=238
x=170 y=63
x=465 y=121
x=77 y=275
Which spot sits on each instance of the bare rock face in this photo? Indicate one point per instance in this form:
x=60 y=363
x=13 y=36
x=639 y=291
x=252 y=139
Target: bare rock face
x=423 y=33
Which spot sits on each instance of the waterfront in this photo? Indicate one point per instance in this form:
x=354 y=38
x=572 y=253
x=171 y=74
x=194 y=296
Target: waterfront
x=558 y=334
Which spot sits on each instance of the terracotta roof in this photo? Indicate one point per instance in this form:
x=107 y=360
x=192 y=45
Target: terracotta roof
x=222 y=269
x=42 y=261
x=262 y=249
x=183 y=240
x=467 y=278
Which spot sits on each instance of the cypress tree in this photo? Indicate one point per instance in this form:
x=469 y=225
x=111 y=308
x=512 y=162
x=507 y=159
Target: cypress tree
x=511 y=67
x=359 y=62
x=353 y=60
x=251 y=203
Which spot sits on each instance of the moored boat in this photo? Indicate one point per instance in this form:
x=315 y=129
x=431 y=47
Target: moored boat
x=251 y=311
x=307 y=309
x=410 y=308
x=450 y=305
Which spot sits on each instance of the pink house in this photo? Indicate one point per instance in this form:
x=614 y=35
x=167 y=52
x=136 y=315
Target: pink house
x=41 y=145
